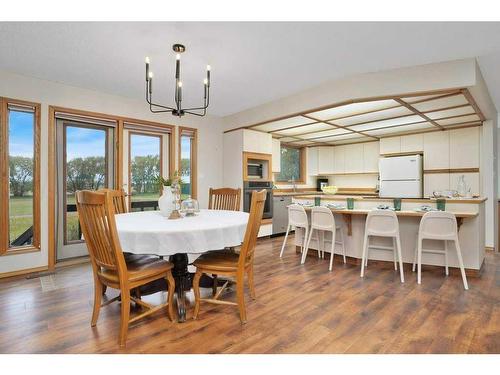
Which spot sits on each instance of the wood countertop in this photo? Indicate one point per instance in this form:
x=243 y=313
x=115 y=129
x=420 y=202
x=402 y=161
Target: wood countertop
x=463 y=215
x=376 y=199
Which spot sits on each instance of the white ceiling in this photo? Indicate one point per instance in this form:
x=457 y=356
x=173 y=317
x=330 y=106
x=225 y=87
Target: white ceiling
x=252 y=63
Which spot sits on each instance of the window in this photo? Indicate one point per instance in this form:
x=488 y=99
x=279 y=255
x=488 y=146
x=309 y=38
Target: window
x=292 y=164
x=187 y=161
x=147 y=156
x=20 y=175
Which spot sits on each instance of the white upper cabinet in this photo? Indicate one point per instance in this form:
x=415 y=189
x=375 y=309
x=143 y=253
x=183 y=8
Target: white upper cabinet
x=325 y=160
x=390 y=145
x=412 y=143
x=276 y=156
x=353 y=158
x=339 y=159
x=254 y=141
x=312 y=161
x=436 y=150
x=371 y=154
x=464 y=148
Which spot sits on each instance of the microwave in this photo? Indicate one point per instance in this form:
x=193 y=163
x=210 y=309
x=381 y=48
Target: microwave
x=255 y=171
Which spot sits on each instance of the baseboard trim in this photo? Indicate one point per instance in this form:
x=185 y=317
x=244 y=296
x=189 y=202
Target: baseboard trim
x=14 y=274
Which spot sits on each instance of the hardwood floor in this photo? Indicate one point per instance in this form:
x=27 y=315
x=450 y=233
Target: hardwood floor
x=299 y=309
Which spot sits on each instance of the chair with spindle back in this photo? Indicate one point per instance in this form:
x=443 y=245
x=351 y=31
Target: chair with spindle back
x=97 y=219
x=118 y=198
x=232 y=264
x=224 y=199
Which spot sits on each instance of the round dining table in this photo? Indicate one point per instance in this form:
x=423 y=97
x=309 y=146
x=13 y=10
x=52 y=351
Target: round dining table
x=150 y=233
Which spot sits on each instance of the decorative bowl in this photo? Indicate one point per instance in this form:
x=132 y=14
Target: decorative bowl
x=331 y=190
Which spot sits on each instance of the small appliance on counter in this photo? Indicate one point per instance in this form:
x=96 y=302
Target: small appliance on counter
x=321 y=183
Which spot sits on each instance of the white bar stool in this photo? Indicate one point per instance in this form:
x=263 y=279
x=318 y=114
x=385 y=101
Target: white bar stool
x=382 y=223
x=297 y=218
x=322 y=220
x=442 y=226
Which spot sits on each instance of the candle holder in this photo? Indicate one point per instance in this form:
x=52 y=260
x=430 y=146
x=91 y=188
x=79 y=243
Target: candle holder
x=176 y=192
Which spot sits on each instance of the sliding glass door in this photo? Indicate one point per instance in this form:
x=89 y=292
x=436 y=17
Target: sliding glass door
x=85 y=162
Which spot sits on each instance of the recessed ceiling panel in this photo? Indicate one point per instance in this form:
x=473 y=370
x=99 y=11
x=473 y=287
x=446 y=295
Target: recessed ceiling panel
x=305 y=129
x=401 y=129
x=280 y=124
x=353 y=109
x=387 y=123
x=287 y=139
x=423 y=98
x=449 y=101
x=458 y=120
x=325 y=133
x=374 y=116
x=467 y=110
x=342 y=137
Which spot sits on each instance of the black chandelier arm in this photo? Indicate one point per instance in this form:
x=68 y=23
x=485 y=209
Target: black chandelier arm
x=207 y=102
x=149 y=97
x=189 y=111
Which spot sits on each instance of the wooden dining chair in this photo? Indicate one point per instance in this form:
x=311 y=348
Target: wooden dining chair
x=97 y=219
x=224 y=199
x=118 y=197
x=232 y=264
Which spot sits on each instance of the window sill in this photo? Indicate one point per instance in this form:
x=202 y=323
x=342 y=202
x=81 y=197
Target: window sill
x=21 y=250
x=286 y=183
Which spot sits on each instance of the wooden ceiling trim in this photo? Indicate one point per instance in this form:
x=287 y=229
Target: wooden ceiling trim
x=473 y=103
x=345 y=102
x=417 y=112
x=339 y=127
x=453 y=93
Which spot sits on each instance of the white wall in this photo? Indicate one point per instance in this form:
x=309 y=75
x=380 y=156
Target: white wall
x=52 y=93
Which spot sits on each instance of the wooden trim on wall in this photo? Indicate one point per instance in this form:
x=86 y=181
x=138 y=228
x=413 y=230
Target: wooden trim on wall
x=52 y=165
x=257 y=156
x=451 y=170
x=24 y=272
x=193 y=133
x=4 y=177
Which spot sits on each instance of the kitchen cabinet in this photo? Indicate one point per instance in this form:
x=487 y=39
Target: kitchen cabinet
x=258 y=142
x=412 y=143
x=371 y=154
x=391 y=145
x=464 y=148
x=436 y=182
x=353 y=158
x=276 y=156
x=312 y=161
x=436 y=150
x=339 y=159
x=325 y=160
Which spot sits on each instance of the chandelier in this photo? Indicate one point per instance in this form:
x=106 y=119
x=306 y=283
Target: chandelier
x=177 y=110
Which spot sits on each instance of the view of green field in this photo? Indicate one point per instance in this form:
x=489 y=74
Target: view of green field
x=20 y=215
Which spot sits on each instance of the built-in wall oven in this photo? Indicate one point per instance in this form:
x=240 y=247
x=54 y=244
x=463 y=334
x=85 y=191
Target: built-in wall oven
x=249 y=187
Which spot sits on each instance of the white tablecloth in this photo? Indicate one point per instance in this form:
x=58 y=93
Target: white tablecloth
x=149 y=232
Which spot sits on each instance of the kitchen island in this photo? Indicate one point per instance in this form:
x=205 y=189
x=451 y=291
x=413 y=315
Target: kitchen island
x=470 y=215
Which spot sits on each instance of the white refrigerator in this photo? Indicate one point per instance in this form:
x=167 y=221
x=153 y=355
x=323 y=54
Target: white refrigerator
x=401 y=177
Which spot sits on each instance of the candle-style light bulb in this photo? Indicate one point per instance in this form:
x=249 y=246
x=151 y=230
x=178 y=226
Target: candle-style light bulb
x=147 y=61
x=150 y=79
x=208 y=68
x=205 y=81
x=147 y=68
x=178 y=56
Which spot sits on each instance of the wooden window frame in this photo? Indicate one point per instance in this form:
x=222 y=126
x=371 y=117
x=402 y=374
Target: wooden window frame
x=144 y=133
x=193 y=133
x=5 y=248
x=303 y=165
